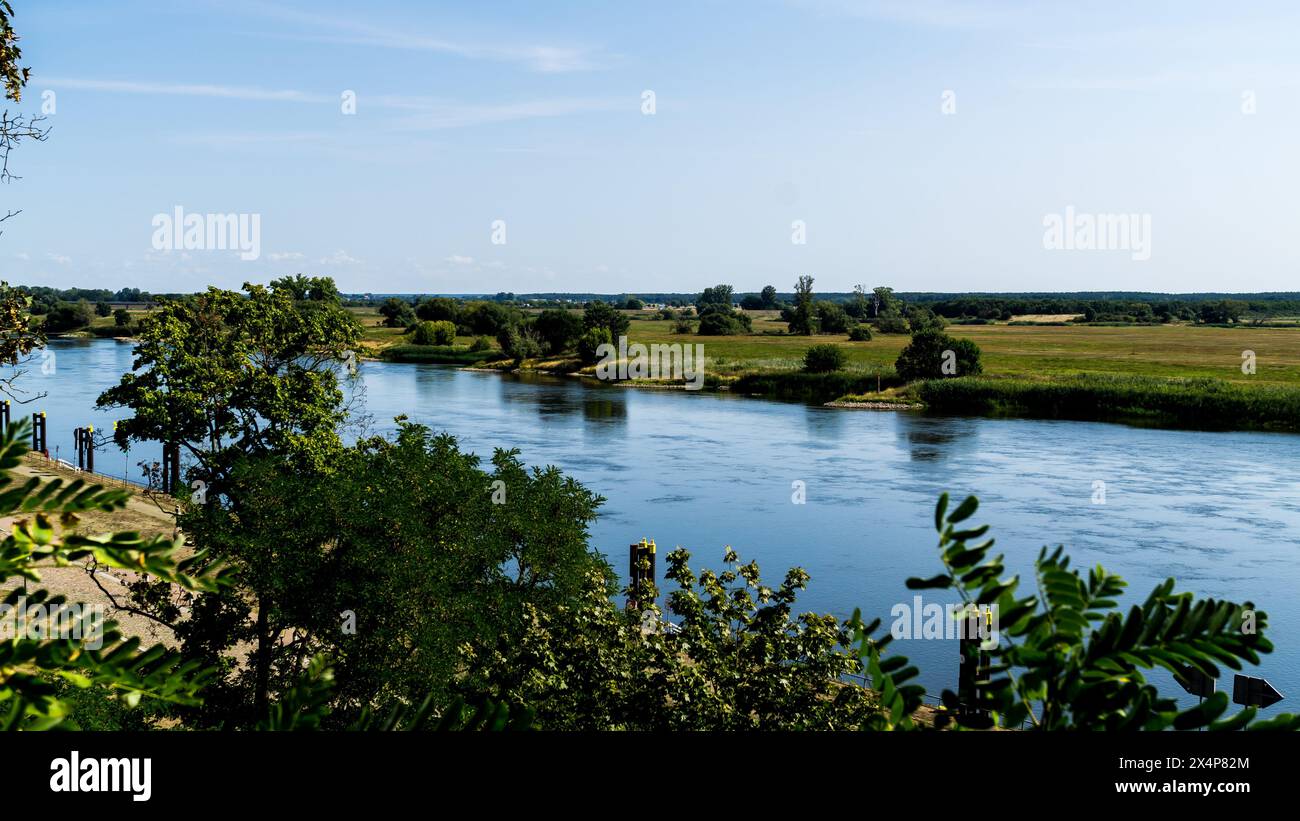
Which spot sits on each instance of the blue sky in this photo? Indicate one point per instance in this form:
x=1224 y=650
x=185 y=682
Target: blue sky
x=766 y=112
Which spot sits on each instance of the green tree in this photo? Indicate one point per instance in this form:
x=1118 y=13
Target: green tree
x=15 y=76
x=439 y=309
x=599 y=314
x=121 y=317
x=934 y=355
x=804 y=313
x=392 y=563
x=768 y=296
x=487 y=318
x=247 y=385
x=803 y=319
x=69 y=316
x=19 y=335
x=558 y=329
x=921 y=319
x=589 y=344
x=831 y=317
x=303 y=288
x=19 y=127
x=520 y=342
x=883 y=302
x=721 y=320
x=860 y=306
x=717 y=295
x=397 y=313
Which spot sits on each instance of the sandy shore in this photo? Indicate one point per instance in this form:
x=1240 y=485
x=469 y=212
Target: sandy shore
x=141 y=514
x=874 y=405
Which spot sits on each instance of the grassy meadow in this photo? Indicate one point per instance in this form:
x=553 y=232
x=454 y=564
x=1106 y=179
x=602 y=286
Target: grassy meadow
x=1122 y=365
x=1027 y=351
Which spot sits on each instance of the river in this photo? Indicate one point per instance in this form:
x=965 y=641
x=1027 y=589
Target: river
x=1219 y=512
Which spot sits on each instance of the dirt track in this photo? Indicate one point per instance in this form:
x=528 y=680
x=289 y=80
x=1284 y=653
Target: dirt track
x=141 y=514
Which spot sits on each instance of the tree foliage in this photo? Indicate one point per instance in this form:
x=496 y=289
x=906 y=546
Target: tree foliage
x=934 y=355
x=803 y=316
x=824 y=359
x=729 y=654
x=1067 y=656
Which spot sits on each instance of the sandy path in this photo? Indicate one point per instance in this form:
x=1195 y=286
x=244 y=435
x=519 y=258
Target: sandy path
x=141 y=514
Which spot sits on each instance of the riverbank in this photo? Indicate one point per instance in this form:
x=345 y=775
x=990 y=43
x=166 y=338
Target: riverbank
x=1173 y=375
x=1196 y=403
x=1176 y=403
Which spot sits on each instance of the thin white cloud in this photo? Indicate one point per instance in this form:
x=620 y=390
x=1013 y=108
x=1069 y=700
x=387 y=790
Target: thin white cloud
x=231 y=140
x=434 y=115
x=545 y=58
x=339 y=257
x=426 y=114
x=185 y=89
x=457 y=259
x=59 y=259
x=286 y=255
x=937 y=13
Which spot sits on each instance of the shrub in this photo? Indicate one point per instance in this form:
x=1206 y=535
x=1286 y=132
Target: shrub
x=121 y=317
x=811 y=387
x=397 y=313
x=436 y=354
x=923 y=319
x=892 y=325
x=859 y=333
x=831 y=318
x=487 y=318
x=520 y=343
x=480 y=343
x=598 y=314
x=438 y=308
x=719 y=320
x=1194 y=403
x=592 y=339
x=69 y=316
x=434 y=333
x=927 y=357
x=824 y=359
x=558 y=329
x=683 y=326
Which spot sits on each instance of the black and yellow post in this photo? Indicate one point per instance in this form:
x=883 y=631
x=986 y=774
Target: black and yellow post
x=88 y=439
x=77 y=437
x=4 y=417
x=38 y=433
x=974 y=661
x=641 y=571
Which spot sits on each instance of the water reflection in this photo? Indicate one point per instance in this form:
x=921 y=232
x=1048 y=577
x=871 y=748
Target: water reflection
x=604 y=410
x=936 y=438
